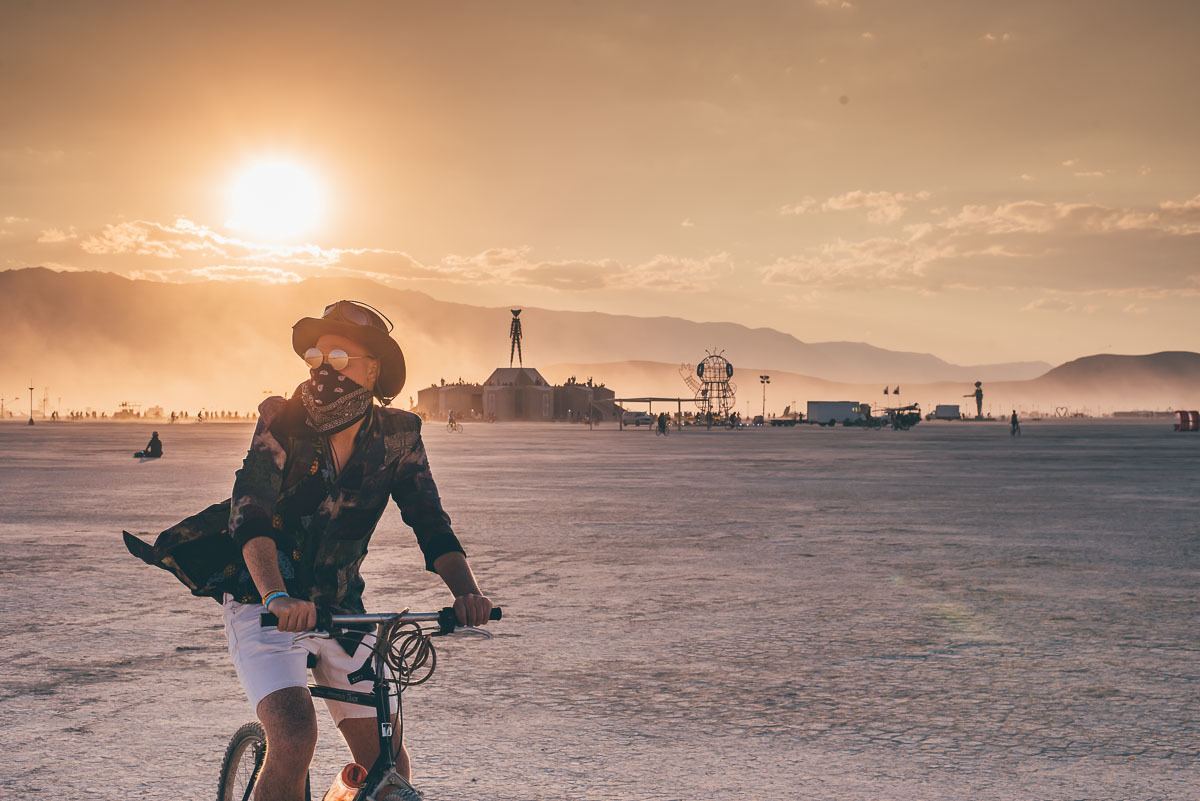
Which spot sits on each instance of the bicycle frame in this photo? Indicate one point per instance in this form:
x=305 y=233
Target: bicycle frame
x=377 y=698
x=380 y=695
x=374 y=669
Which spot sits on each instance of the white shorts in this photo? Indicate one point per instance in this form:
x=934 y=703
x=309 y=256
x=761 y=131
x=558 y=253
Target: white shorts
x=267 y=660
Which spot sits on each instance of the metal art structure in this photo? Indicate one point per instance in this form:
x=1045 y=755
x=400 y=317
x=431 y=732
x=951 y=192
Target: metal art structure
x=514 y=335
x=710 y=381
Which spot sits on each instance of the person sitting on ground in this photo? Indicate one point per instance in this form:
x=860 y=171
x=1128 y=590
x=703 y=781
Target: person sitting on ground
x=153 y=447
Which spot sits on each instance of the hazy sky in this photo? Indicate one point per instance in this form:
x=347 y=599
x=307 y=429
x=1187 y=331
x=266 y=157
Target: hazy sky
x=984 y=181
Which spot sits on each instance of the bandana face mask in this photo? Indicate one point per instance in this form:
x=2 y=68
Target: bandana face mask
x=333 y=401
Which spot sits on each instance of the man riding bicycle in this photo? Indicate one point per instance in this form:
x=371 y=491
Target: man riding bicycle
x=315 y=481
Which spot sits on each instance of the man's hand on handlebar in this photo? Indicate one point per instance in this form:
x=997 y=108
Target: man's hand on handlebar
x=472 y=610
x=294 y=614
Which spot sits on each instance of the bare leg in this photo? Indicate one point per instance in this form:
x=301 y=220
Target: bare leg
x=291 y=725
x=362 y=735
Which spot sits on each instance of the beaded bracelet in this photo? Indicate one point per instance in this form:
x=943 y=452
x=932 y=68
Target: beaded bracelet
x=271 y=596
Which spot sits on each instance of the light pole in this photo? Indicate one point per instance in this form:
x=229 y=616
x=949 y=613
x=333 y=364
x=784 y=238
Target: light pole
x=764 y=380
x=31 y=401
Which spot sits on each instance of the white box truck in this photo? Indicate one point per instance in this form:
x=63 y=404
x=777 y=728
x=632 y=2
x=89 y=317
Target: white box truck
x=947 y=411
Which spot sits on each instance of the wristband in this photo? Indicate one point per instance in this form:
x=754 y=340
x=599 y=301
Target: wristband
x=271 y=596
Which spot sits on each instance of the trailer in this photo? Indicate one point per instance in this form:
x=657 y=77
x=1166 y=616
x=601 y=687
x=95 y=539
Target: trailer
x=832 y=412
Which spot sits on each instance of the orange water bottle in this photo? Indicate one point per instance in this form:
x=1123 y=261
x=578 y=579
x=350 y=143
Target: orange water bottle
x=347 y=784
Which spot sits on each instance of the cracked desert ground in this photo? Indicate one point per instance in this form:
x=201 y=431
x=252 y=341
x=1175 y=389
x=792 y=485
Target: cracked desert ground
x=944 y=613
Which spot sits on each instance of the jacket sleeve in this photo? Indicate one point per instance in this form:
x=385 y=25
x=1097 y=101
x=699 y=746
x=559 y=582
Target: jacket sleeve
x=258 y=482
x=415 y=493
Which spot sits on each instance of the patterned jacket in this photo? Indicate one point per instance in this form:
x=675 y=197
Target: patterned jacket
x=321 y=522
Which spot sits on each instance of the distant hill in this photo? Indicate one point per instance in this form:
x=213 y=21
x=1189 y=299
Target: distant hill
x=96 y=338
x=1159 y=375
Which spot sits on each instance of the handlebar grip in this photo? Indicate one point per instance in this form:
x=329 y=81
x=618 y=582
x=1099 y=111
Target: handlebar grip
x=324 y=620
x=496 y=613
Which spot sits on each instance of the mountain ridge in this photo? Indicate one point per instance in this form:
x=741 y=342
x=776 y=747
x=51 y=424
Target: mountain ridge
x=181 y=344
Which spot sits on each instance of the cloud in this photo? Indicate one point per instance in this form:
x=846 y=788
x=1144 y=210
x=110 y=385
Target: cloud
x=993 y=37
x=881 y=207
x=30 y=155
x=1049 y=246
x=234 y=272
x=224 y=257
x=803 y=207
x=184 y=238
x=56 y=235
x=1027 y=243
x=10 y=220
x=1175 y=218
x=515 y=266
x=146 y=238
x=687 y=223
x=1059 y=304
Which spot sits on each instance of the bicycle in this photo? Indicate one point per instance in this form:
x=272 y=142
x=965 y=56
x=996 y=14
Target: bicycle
x=402 y=645
x=453 y=426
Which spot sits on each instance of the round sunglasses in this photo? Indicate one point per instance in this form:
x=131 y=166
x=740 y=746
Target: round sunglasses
x=338 y=359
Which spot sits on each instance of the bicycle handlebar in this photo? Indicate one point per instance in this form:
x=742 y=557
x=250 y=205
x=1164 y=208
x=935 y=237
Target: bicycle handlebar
x=445 y=618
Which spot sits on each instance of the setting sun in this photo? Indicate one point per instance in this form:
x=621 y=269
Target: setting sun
x=275 y=200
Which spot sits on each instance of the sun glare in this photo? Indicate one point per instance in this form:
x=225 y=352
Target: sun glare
x=274 y=200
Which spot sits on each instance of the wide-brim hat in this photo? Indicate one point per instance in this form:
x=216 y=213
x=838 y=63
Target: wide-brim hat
x=365 y=325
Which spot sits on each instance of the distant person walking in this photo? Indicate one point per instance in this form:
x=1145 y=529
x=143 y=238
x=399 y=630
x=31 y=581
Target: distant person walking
x=662 y=424
x=1014 y=425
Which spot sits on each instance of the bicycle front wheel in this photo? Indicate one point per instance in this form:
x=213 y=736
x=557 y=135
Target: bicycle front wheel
x=243 y=760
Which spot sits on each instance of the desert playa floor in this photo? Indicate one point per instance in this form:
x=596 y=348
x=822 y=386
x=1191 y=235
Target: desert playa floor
x=944 y=613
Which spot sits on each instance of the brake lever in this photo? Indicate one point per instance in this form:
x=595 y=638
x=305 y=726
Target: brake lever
x=311 y=635
x=478 y=631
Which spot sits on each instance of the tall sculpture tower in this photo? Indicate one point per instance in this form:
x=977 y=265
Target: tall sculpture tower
x=514 y=334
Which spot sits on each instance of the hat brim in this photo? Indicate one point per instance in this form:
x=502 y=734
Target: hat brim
x=308 y=330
